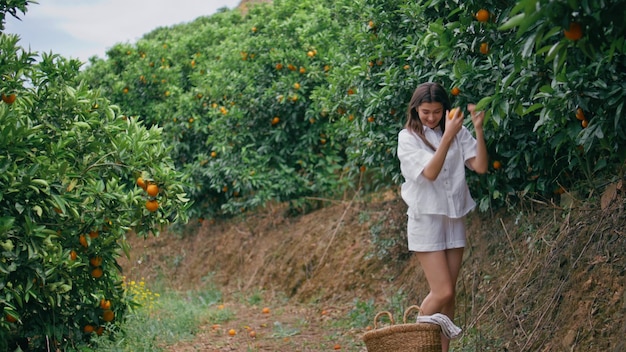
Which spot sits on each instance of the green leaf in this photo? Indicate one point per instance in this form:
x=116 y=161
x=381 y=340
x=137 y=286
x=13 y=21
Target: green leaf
x=512 y=22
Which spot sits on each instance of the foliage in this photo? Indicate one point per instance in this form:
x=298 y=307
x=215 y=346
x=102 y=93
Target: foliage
x=293 y=100
x=69 y=161
x=12 y=7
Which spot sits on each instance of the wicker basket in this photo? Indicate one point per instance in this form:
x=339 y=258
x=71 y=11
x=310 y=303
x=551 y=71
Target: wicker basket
x=416 y=337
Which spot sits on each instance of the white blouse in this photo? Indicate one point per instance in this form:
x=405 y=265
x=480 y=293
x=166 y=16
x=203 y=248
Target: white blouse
x=448 y=194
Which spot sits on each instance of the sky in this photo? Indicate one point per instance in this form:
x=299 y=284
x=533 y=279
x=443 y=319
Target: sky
x=81 y=29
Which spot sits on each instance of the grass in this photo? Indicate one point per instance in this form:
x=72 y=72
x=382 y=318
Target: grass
x=166 y=318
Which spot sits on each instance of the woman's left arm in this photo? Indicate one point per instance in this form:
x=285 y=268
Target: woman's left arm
x=479 y=163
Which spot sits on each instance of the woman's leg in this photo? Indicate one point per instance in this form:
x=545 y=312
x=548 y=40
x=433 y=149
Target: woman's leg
x=442 y=270
x=435 y=266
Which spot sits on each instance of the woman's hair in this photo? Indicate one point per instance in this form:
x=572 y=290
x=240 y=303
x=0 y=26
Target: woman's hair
x=426 y=93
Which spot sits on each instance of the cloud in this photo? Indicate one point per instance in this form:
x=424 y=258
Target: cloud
x=81 y=29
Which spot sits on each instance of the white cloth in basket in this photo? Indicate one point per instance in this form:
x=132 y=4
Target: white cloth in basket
x=448 y=328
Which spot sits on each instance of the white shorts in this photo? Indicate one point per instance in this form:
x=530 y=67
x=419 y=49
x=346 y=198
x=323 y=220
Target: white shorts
x=429 y=233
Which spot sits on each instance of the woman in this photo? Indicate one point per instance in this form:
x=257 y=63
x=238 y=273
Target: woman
x=434 y=149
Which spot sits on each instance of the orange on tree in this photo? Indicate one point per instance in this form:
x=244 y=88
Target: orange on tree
x=100 y=330
x=497 y=165
x=73 y=255
x=482 y=15
x=584 y=123
x=484 y=48
x=108 y=315
x=152 y=190
x=452 y=113
x=8 y=99
x=275 y=120
x=213 y=154
x=580 y=114
x=296 y=86
x=95 y=261
x=93 y=234
x=279 y=66
x=88 y=328
x=83 y=241
x=141 y=183
x=105 y=304
x=574 y=32
x=455 y=91
x=97 y=273
x=10 y=318
x=152 y=205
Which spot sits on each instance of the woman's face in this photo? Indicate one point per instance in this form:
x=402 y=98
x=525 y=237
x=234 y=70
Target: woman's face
x=430 y=114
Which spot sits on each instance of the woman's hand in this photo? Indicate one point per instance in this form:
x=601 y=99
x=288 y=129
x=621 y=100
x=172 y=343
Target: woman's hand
x=454 y=121
x=477 y=116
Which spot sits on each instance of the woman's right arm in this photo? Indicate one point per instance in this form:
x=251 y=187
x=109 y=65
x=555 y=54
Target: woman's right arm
x=434 y=166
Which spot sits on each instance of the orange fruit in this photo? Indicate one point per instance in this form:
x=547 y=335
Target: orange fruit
x=265 y=310
x=302 y=70
x=252 y=333
x=310 y=53
x=484 y=48
x=296 y=86
x=337 y=346
x=213 y=154
x=279 y=66
x=497 y=165
x=10 y=318
x=93 y=234
x=275 y=120
x=8 y=99
x=580 y=115
x=95 y=261
x=105 y=304
x=482 y=15
x=83 y=241
x=108 y=315
x=100 y=330
x=455 y=91
x=370 y=119
x=584 y=123
x=291 y=67
x=88 y=328
x=141 y=183
x=152 y=190
x=73 y=255
x=574 y=32
x=363 y=168
x=152 y=205
x=96 y=273
x=452 y=113
x=232 y=332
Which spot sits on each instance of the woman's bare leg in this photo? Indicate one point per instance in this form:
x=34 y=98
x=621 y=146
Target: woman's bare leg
x=442 y=270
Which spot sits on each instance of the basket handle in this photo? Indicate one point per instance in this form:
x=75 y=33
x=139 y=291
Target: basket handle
x=379 y=315
x=408 y=310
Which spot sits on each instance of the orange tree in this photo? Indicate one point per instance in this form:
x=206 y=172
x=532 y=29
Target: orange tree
x=554 y=104
x=297 y=98
x=68 y=196
x=234 y=94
